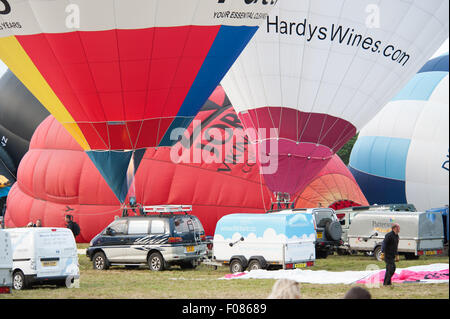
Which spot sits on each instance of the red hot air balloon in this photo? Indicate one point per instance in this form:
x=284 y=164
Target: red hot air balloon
x=120 y=75
x=56 y=177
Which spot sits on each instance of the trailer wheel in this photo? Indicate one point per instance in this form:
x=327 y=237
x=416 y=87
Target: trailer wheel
x=377 y=253
x=236 y=266
x=19 y=281
x=254 y=265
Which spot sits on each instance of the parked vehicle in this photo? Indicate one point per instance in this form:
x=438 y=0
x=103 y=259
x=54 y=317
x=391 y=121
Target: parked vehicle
x=170 y=236
x=421 y=232
x=329 y=231
x=445 y=221
x=265 y=241
x=6 y=263
x=346 y=216
x=43 y=255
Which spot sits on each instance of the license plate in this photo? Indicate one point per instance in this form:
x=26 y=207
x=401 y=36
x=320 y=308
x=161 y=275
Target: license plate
x=301 y=265
x=319 y=234
x=49 y=263
x=190 y=249
x=431 y=252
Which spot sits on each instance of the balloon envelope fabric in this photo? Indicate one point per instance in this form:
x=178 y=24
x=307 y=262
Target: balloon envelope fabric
x=120 y=74
x=318 y=70
x=56 y=177
x=401 y=156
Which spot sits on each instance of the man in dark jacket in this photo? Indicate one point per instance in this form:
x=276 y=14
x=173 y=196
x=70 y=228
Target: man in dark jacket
x=390 y=253
x=72 y=225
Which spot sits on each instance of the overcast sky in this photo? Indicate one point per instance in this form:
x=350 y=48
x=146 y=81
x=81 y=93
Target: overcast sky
x=442 y=49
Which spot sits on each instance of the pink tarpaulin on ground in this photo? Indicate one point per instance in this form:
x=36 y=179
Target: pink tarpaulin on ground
x=408 y=276
x=433 y=273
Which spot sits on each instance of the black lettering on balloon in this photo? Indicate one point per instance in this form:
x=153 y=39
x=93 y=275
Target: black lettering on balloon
x=7 y=7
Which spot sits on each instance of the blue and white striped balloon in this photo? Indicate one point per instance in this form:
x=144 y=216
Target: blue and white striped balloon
x=402 y=155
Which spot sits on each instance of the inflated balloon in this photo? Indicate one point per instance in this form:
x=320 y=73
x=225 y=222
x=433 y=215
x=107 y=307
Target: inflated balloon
x=20 y=114
x=401 y=156
x=120 y=75
x=318 y=70
x=333 y=187
x=56 y=177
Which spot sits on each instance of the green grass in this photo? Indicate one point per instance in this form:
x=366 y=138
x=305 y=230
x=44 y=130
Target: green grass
x=118 y=282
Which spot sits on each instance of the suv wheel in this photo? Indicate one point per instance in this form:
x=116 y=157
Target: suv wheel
x=334 y=230
x=19 y=281
x=156 y=262
x=100 y=262
x=236 y=266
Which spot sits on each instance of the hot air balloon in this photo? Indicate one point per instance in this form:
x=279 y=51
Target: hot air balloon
x=334 y=186
x=120 y=75
x=20 y=114
x=56 y=177
x=318 y=70
x=401 y=156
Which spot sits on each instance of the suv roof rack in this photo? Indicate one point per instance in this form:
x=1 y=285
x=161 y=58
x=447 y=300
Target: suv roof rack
x=167 y=209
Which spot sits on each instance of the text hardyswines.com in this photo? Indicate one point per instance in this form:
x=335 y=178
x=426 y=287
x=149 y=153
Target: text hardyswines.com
x=336 y=33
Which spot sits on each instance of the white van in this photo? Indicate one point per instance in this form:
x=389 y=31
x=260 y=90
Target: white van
x=265 y=241
x=43 y=255
x=6 y=263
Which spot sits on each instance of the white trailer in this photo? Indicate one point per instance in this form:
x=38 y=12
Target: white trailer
x=263 y=241
x=421 y=233
x=6 y=262
x=43 y=255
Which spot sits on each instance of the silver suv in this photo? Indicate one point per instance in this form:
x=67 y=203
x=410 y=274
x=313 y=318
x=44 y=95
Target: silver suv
x=159 y=241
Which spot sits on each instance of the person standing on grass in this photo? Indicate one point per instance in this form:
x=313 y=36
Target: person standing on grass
x=73 y=226
x=389 y=252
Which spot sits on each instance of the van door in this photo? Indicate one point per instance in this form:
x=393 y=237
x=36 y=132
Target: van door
x=56 y=253
x=6 y=262
x=114 y=241
x=137 y=238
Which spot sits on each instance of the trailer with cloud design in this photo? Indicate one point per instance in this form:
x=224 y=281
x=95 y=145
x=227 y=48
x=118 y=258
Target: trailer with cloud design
x=283 y=239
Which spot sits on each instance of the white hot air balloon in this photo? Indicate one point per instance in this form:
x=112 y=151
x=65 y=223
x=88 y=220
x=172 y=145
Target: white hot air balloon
x=318 y=70
x=401 y=155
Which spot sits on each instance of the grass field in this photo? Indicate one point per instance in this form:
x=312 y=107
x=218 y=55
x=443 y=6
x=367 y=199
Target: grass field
x=118 y=282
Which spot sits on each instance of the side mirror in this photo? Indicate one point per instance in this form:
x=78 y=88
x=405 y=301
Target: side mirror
x=109 y=231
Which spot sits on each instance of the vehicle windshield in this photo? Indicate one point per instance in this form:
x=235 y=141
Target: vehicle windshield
x=324 y=214
x=186 y=224
x=118 y=227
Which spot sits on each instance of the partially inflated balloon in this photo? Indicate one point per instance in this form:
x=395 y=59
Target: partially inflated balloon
x=56 y=177
x=318 y=70
x=20 y=114
x=121 y=74
x=401 y=156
